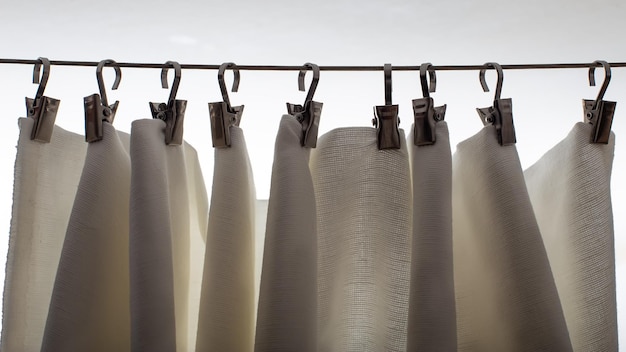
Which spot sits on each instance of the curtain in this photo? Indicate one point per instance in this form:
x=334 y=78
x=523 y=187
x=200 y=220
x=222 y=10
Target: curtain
x=113 y=245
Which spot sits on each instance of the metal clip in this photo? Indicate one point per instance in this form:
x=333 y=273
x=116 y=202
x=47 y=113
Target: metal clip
x=386 y=118
x=501 y=113
x=173 y=113
x=599 y=113
x=425 y=114
x=310 y=112
x=42 y=109
x=222 y=114
x=97 y=108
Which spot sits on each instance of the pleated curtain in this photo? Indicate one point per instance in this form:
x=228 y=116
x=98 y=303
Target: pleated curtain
x=114 y=245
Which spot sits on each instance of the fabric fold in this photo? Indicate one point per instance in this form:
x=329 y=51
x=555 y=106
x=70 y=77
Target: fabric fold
x=569 y=188
x=227 y=305
x=89 y=309
x=166 y=230
x=506 y=296
x=432 y=313
x=364 y=221
x=287 y=312
x=46 y=175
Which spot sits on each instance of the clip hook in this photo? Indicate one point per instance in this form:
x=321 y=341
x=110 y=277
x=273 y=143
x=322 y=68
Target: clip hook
x=309 y=113
x=42 y=109
x=425 y=113
x=172 y=112
x=432 y=78
x=600 y=113
x=222 y=82
x=116 y=83
x=386 y=118
x=500 y=114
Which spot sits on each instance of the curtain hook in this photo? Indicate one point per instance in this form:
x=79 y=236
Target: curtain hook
x=428 y=67
x=222 y=82
x=44 y=78
x=175 y=84
x=116 y=83
x=605 y=83
x=388 y=84
x=483 y=82
x=314 y=82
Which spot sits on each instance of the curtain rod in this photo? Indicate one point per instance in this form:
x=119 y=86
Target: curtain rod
x=322 y=68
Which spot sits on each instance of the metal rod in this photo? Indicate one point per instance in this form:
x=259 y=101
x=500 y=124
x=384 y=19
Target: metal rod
x=322 y=68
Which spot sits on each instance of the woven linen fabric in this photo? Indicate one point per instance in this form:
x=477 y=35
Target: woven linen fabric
x=46 y=175
x=89 y=309
x=168 y=222
x=506 y=296
x=227 y=305
x=287 y=314
x=432 y=314
x=569 y=188
x=364 y=225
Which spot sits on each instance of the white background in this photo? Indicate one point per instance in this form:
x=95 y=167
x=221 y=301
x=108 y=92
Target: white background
x=546 y=103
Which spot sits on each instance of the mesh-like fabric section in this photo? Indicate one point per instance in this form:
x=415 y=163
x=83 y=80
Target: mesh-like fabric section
x=570 y=191
x=364 y=230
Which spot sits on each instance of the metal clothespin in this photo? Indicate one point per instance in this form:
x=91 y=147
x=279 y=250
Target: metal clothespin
x=425 y=113
x=501 y=113
x=222 y=114
x=599 y=113
x=386 y=118
x=97 y=108
x=310 y=112
x=42 y=109
x=173 y=113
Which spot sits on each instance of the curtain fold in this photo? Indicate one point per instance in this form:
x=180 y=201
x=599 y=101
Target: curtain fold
x=166 y=230
x=364 y=238
x=227 y=305
x=432 y=313
x=506 y=296
x=287 y=313
x=46 y=175
x=569 y=189
x=89 y=309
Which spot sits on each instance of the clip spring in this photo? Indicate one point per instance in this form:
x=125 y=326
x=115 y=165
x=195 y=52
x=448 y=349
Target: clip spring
x=42 y=108
x=599 y=113
x=173 y=113
x=222 y=114
x=97 y=108
x=386 y=118
x=500 y=114
x=310 y=112
x=425 y=113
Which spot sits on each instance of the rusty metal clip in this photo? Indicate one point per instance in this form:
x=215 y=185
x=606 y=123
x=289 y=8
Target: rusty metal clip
x=222 y=114
x=599 y=113
x=42 y=109
x=97 y=108
x=386 y=118
x=173 y=113
x=425 y=114
x=500 y=114
x=310 y=112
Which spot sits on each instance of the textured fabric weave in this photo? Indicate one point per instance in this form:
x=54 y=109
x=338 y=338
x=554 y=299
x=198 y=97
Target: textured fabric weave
x=46 y=175
x=432 y=314
x=168 y=222
x=506 y=296
x=364 y=238
x=227 y=306
x=89 y=310
x=287 y=316
x=570 y=191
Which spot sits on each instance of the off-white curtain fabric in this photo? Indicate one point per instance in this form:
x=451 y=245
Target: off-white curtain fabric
x=227 y=307
x=46 y=179
x=89 y=309
x=168 y=223
x=569 y=189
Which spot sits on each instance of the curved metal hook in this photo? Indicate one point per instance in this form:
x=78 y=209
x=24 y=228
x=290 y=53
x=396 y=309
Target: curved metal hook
x=44 y=78
x=388 y=85
x=116 y=84
x=222 y=82
x=432 y=78
x=607 y=79
x=176 y=83
x=483 y=83
x=314 y=82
